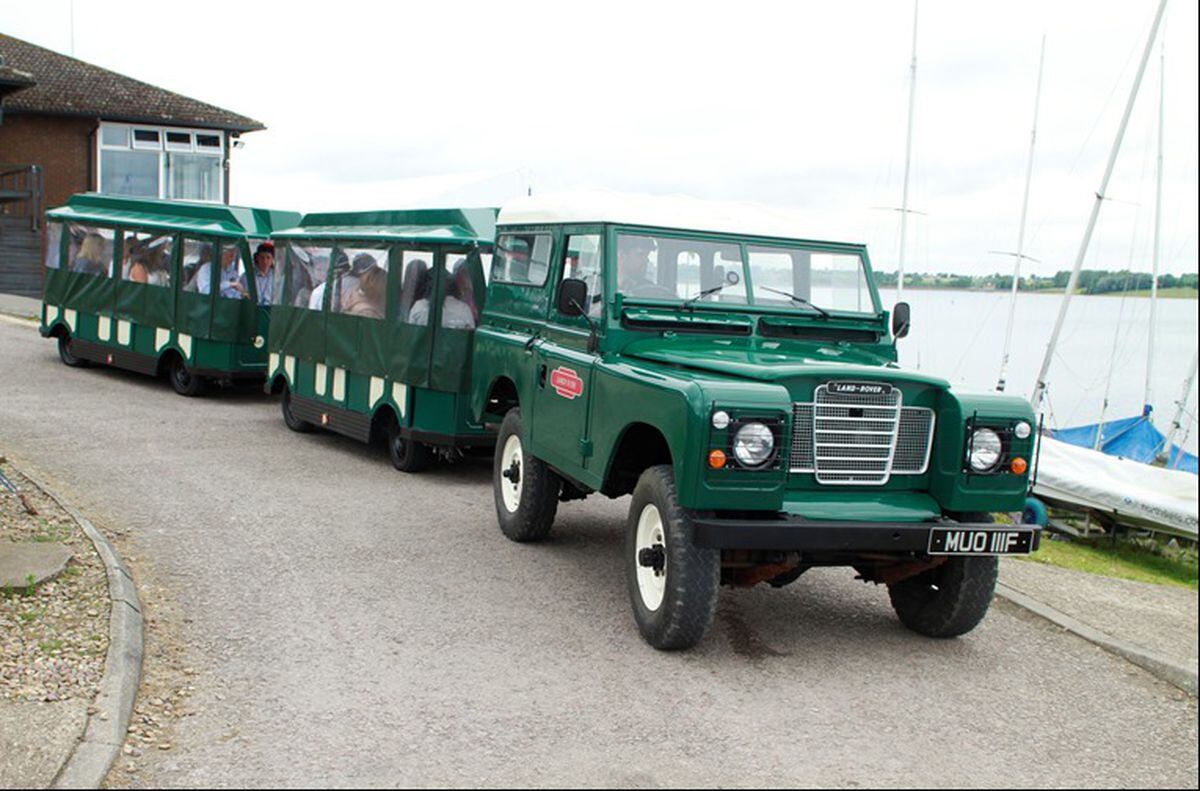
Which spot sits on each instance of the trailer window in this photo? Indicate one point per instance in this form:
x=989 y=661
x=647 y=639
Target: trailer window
x=307 y=266
x=415 y=287
x=460 y=308
x=522 y=259
x=91 y=250
x=147 y=259
x=232 y=276
x=361 y=289
x=53 y=245
x=197 y=255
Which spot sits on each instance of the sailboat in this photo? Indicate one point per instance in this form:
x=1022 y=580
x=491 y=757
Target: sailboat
x=1083 y=477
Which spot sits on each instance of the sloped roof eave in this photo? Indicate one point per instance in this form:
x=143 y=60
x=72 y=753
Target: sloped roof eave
x=124 y=118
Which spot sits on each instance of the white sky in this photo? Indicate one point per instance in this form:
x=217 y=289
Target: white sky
x=796 y=104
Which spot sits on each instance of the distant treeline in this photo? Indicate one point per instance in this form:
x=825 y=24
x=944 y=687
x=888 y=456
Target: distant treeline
x=1091 y=281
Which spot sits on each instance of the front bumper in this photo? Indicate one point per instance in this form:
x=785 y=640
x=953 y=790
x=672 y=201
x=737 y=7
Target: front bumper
x=795 y=534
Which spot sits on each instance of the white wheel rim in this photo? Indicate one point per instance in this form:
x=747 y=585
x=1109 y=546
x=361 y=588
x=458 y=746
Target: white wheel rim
x=512 y=459
x=652 y=585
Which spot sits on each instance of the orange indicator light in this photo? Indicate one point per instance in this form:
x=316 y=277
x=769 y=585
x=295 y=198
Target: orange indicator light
x=716 y=459
x=1019 y=466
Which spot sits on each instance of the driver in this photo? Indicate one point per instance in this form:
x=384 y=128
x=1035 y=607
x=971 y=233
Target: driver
x=633 y=263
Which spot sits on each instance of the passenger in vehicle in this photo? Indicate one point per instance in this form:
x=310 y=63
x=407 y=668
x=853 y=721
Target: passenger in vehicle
x=90 y=259
x=414 y=295
x=233 y=282
x=316 y=300
x=366 y=298
x=264 y=272
x=458 y=307
x=633 y=262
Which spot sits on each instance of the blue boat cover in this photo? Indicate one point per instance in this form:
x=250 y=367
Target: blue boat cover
x=1130 y=438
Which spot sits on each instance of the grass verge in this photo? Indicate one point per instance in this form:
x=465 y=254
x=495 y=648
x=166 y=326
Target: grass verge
x=1139 y=560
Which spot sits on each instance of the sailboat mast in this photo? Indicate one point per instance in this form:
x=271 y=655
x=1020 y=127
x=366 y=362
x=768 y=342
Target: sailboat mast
x=1158 y=180
x=1180 y=407
x=1039 y=388
x=1012 y=309
x=912 y=94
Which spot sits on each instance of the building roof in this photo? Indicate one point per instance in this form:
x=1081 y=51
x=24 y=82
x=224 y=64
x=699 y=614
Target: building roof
x=62 y=85
x=664 y=211
x=434 y=226
x=208 y=219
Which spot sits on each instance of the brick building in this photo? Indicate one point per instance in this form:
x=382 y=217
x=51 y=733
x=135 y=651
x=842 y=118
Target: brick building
x=67 y=126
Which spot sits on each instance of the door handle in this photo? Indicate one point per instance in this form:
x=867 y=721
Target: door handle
x=541 y=377
x=529 y=344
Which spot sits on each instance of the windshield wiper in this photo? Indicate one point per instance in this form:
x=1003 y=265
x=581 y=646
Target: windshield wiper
x=687 y=303
x=798 y=300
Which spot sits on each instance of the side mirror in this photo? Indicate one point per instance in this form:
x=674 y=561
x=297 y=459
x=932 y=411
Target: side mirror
x=572 y=296
x=901 y=319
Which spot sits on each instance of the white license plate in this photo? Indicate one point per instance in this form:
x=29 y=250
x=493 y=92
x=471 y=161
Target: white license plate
x=975 y=541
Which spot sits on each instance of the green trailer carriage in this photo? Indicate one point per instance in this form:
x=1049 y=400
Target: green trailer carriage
x=134 y=283
x=373 y=327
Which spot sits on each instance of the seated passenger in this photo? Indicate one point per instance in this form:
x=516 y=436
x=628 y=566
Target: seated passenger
x=264 y=272
x=316 y=300
x=458 y=308
x=414 y=294
x=367 y=297
x=233 y=282
x=90 y=259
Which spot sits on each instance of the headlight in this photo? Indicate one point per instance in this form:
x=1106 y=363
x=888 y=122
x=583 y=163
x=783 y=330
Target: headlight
x=753 y=445
x=1022 y=430
x=986 y=450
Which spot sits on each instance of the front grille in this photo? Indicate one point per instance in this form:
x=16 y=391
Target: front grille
x=859 y=439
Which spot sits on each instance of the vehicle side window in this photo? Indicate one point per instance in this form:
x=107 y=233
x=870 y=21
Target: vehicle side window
x=91 y=250
x=416 y=287
x=307 y=267
x=522 y=259
x=361 y=288
x=582 y=261
x=147 y=258
x=53 y=245
x=232 y=278
x=460 y=308
x=197 y=256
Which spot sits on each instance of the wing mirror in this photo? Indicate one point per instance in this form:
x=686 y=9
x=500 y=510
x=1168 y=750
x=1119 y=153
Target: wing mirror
x=572 y=296
x=901 y=319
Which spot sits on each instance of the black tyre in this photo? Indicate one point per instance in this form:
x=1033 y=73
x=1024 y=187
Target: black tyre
x=406 y=454
x=289 y=417
x=673 y=584
x=525 y=489
x=67 y=356
x=949 y=600
x=182 y=380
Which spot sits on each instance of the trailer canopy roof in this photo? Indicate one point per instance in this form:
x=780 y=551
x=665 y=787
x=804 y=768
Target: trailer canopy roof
x=438 y=226
x=209 y=219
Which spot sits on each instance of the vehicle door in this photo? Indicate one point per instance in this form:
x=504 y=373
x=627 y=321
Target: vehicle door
x=566 y=360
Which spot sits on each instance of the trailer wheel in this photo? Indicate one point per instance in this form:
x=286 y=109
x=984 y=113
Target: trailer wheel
x=289 y=417
x=525 y=489
x=673 y=584
x=951 y=599
x=406 y=454
x=66 y=355
x=184 y=381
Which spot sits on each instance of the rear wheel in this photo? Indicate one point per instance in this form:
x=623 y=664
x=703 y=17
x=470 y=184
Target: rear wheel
x=184 y=381
x=289 y=417
x=66 y=355
x=406 y=454
x=673 y=584
x=525 y=489
x=951 y=599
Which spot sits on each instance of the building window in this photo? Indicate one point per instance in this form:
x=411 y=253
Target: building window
x=161 y=162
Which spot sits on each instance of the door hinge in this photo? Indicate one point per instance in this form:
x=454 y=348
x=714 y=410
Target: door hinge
x=585 y=448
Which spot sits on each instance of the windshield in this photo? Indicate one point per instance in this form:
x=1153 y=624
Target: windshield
x=708 y=272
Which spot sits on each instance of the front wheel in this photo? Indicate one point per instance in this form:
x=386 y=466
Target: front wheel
x=673 y=584
x=525 y=489
x=406 y=454
x=67 y=356
x=184 y=381
x=951 y=599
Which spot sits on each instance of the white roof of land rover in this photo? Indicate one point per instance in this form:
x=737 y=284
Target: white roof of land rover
x=669 y=211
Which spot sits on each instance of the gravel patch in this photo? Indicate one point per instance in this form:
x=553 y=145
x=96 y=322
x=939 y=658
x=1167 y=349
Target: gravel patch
x=53 y=637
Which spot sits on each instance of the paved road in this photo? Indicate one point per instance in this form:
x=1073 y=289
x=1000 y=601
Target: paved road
x=356 y=626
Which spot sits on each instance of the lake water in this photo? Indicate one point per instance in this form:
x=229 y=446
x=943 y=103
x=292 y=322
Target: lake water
x=959 y=335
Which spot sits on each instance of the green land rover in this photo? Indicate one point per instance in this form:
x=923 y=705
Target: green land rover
x=742 y=384
x=159 y=286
